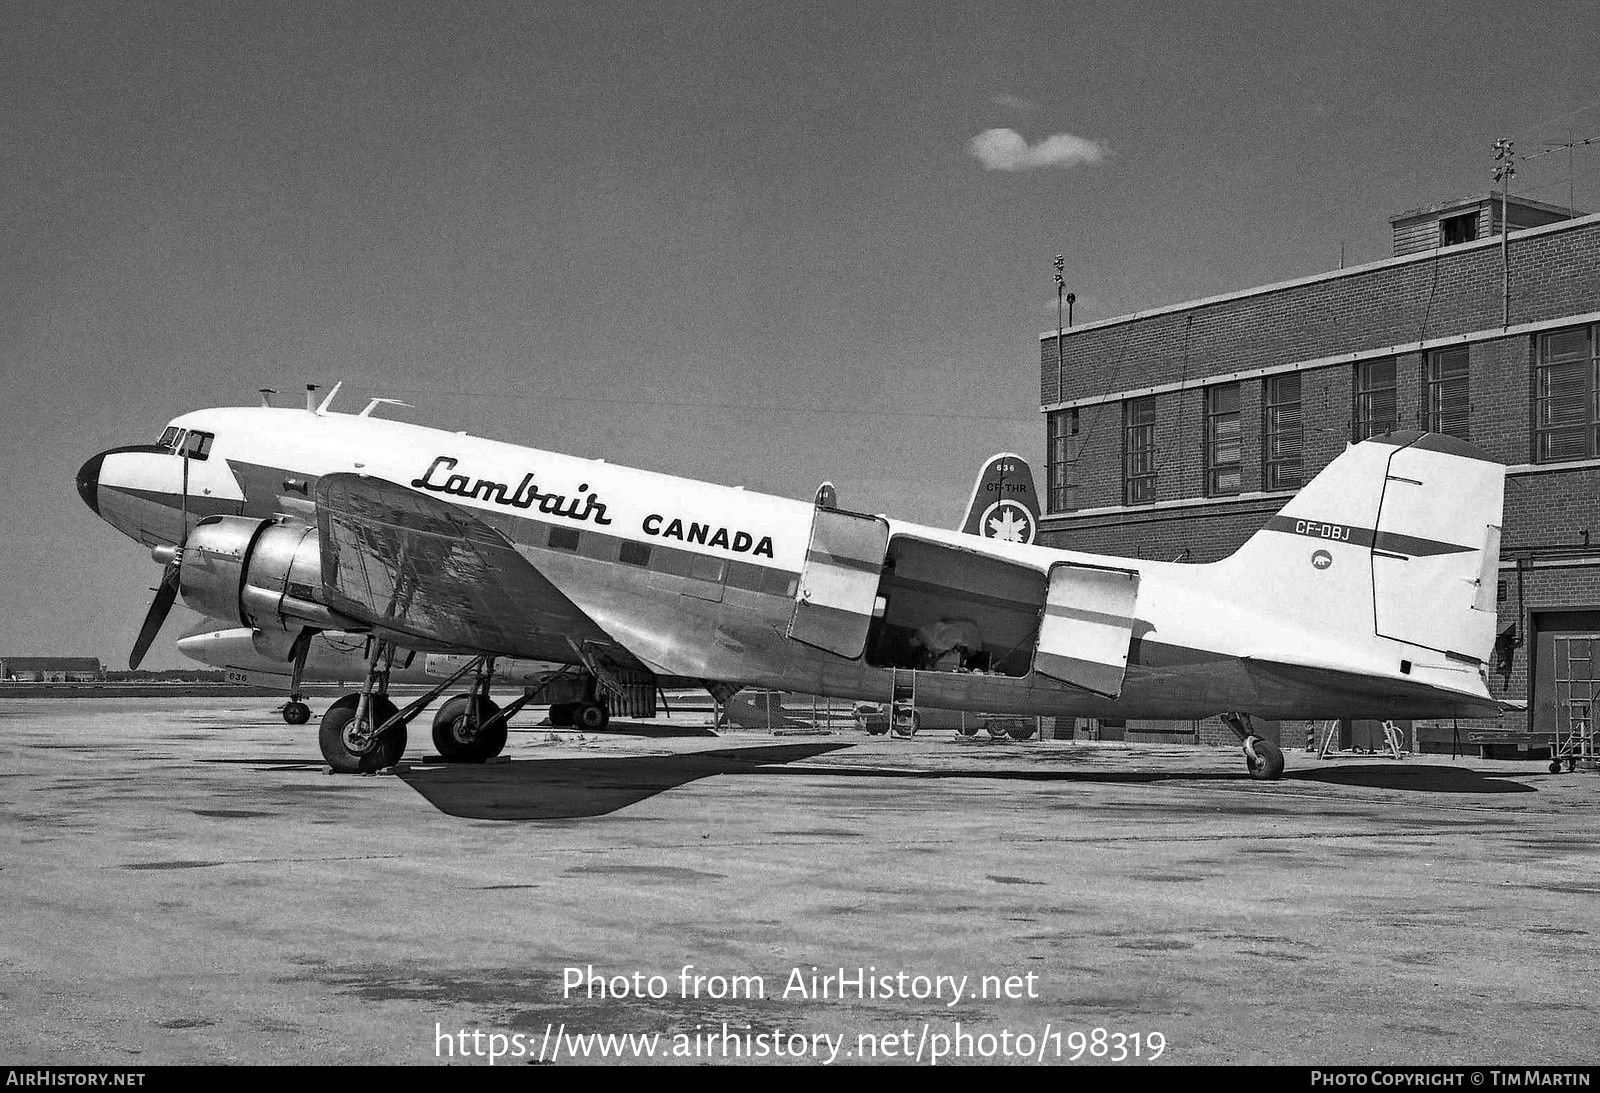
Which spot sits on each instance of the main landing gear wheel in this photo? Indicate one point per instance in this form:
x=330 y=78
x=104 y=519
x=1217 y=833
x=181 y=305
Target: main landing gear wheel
x=996 y=729
x=296 y=713
x=350 y=748
x=1022 y=732
x=456 y=732
x=1267 y=764
x=591 y=716
x=907 y=727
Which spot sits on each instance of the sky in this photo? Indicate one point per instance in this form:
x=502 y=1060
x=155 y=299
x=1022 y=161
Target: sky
x=764 y=244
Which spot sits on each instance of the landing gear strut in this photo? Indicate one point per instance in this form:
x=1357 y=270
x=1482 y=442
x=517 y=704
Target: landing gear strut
x=1262 y=757
x=470 y=728
x=363 y=732
x=295 y=711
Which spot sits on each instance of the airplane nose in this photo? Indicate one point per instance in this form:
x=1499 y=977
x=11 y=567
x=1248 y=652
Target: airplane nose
x=89 y=483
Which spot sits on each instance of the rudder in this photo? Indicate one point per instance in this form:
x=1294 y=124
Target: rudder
x=1398 y=538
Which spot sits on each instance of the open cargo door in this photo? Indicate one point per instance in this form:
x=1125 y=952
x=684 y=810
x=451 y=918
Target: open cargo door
x=1087 y=627
x=839 y=583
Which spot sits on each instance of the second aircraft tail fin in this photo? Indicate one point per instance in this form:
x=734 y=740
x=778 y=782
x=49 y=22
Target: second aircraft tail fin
x=1004 y=503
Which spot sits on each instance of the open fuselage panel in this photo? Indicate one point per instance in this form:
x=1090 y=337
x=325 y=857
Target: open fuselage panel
x=944 y=609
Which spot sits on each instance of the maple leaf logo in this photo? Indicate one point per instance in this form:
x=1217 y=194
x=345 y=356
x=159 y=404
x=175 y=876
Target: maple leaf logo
x=1007 y=526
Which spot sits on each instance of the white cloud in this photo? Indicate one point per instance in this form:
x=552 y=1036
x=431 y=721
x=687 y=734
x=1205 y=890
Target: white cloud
x=1007 y=150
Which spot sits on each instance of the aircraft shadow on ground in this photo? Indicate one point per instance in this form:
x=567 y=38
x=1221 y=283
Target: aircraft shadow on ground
x=566 y=789
x=1422 y=776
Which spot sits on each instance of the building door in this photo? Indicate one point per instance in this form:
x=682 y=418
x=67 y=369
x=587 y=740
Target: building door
x=1562 y=667
x=1575 y=682
x=839 y=584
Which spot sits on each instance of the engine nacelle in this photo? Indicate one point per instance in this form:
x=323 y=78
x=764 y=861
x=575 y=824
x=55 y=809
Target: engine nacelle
x=255 y=573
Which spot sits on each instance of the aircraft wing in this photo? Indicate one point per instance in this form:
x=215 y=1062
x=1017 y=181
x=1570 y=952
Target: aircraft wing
x=397 y=559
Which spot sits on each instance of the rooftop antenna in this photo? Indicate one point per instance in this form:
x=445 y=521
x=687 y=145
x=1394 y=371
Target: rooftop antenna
x=331 y=396
x=1505 y=159
x=266 y=396
x=311 y=397
x=377 y=402
x=1061 y=284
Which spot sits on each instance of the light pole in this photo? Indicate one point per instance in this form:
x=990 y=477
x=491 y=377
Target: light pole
x=1505 y=157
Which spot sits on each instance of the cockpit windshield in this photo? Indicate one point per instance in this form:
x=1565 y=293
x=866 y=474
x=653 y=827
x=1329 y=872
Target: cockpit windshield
x=190 y=442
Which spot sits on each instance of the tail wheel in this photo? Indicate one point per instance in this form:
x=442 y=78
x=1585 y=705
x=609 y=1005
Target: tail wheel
x=456 y=733
x=1268 y=763
x=592 y=716
x=349 y=748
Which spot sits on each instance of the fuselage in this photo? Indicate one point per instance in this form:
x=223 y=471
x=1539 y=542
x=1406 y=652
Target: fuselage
x=699 y=581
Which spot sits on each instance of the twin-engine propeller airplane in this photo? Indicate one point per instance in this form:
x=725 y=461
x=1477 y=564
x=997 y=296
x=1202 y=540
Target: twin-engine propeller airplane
x=1003 y=505
x=1371 y=595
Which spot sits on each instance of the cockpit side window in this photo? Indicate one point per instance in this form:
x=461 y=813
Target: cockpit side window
x=197 y=445
x=169 y=439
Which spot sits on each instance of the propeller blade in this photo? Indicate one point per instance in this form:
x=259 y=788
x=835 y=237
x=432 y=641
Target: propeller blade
x=166 y=593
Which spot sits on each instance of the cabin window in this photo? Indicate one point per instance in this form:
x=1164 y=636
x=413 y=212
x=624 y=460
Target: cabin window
x=706 y=568
x=751 y=578
x=632 y=553
x=564 y=539
x=671 y=561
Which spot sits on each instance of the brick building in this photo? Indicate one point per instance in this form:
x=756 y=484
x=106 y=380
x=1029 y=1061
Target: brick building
x=1174 y=433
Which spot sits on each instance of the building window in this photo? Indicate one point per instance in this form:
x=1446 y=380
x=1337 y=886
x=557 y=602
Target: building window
x=1448 y=395
x=1564 y=396
x=1458 y=229
x=1377 y=404
x=1061 y=467
x=1224 y=452
x=1139 y=451
x=1282 y=439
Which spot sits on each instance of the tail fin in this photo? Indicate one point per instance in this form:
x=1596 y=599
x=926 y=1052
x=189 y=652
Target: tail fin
x=1004 y=504
x=1399 y=538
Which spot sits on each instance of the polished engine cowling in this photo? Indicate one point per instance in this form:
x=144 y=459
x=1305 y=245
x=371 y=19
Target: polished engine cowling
x=256 y=573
